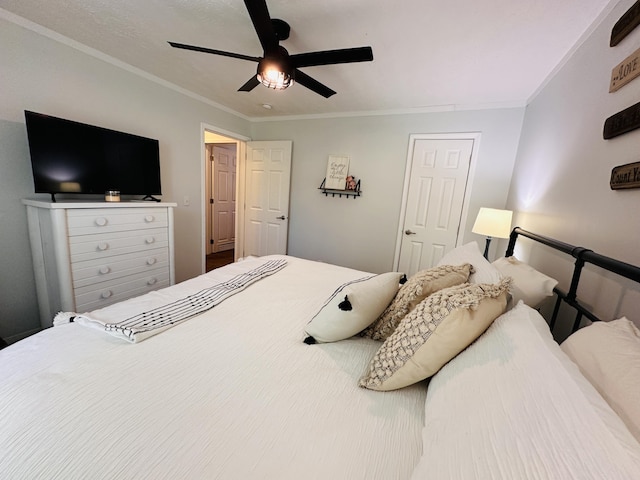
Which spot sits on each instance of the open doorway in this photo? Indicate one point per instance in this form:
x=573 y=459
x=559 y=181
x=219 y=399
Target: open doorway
x=262 y=181
x=221 y=165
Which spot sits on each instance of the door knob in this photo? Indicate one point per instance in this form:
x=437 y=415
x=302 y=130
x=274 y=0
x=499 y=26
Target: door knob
x=281 y=217
x=409 y=232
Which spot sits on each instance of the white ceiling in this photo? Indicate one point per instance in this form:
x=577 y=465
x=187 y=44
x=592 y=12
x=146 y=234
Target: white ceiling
x=428 y=54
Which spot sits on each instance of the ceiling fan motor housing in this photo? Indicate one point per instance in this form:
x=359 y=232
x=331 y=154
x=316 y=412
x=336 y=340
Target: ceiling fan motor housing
x=280 y=28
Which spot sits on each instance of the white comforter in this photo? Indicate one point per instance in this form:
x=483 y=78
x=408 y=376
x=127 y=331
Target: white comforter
x=231 y=394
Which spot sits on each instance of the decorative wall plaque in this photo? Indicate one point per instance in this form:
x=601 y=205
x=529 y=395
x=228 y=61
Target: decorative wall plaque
x=624 y=26
x=622 y=122
x=625 y=71
x=625 y=176
x=337 y=171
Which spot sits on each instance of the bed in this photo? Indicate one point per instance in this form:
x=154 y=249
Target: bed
x=272 y=369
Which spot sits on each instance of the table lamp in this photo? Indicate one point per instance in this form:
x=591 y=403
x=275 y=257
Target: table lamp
x=492 y=223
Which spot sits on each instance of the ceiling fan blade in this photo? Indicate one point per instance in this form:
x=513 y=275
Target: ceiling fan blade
x=312 y=84
x=252 y=83
x=259 y=14
x=215 y=52
x=331 y=57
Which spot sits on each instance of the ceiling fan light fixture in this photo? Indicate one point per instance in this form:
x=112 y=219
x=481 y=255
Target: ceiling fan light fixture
x=277 y=69
x=274 y=74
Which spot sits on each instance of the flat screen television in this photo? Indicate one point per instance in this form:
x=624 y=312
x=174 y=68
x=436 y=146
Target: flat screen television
x=73 y=157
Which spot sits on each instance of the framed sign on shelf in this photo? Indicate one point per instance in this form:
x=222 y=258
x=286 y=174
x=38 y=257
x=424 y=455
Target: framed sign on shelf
x=337 y=171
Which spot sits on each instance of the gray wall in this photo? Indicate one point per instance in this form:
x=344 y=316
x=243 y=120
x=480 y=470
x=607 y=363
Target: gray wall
x=18 y=305
x=45 y=76
x=560 y=185
x=361 y=233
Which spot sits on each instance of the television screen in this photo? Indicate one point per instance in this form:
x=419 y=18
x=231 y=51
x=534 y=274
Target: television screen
x=73 y=157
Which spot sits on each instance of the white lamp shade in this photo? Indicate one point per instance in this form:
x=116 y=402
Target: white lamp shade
x=492 y=222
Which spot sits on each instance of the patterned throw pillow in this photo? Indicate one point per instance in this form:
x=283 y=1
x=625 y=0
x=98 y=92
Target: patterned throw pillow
x=352 y=307
x=439 y=328
x=415 y=290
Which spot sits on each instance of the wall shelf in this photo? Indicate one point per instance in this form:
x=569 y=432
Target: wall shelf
x=333 y=192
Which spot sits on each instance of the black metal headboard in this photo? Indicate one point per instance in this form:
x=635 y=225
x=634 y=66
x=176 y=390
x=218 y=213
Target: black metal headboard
x=582 y=256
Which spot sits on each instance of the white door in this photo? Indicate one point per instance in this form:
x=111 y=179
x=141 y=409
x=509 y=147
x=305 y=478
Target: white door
x=208 y=175
x=267 y=181
x=224 y=197
x=434 y=201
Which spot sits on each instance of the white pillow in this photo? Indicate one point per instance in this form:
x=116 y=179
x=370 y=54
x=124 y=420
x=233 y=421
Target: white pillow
x=513 y=406
x=470 y=253
x=352 y=308
x=529 y=285
x=608 y=355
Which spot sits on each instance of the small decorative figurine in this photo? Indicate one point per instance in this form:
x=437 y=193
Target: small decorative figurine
x=351 y=183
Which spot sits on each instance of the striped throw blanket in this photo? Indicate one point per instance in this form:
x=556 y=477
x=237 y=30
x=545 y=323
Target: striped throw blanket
x=146 y=324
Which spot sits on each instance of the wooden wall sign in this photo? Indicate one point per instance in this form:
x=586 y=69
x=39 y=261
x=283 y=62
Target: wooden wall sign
x=625 y=71
x=622 y=122
x=625 y=176
x=624 y=26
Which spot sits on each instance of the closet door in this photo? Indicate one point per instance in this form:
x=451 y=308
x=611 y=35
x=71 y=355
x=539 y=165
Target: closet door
x=434 y=200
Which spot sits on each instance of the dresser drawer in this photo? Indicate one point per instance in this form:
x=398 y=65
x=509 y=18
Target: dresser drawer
x=103 y=220
x=92 y=297
x=99 y=246
x=91 y=272
x=88 y=255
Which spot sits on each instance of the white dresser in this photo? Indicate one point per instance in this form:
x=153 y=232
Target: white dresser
x=87 y=255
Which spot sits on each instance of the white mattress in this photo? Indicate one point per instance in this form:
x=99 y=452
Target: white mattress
x=231 y=394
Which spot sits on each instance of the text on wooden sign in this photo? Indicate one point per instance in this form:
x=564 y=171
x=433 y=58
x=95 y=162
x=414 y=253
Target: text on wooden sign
x=625 y=71
x=624 y=26
x=622 y=122
x=625 y=176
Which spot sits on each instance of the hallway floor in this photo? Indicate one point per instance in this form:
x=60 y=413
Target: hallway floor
x=220 y=259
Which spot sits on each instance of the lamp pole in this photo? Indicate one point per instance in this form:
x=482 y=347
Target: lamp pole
x=486 y=248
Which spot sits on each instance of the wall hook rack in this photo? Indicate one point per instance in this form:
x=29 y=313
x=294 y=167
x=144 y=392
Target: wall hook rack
x=333 y=192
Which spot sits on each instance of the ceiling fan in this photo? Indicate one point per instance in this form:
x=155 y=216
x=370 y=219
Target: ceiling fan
x=276 y=68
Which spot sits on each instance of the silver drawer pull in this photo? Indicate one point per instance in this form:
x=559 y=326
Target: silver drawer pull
x=103 y=246
x=101 y=222
x=106 y=294
x=152 y=281
x=149 y=240
x=104 y=270
x=151 y=261
x=149 y=218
